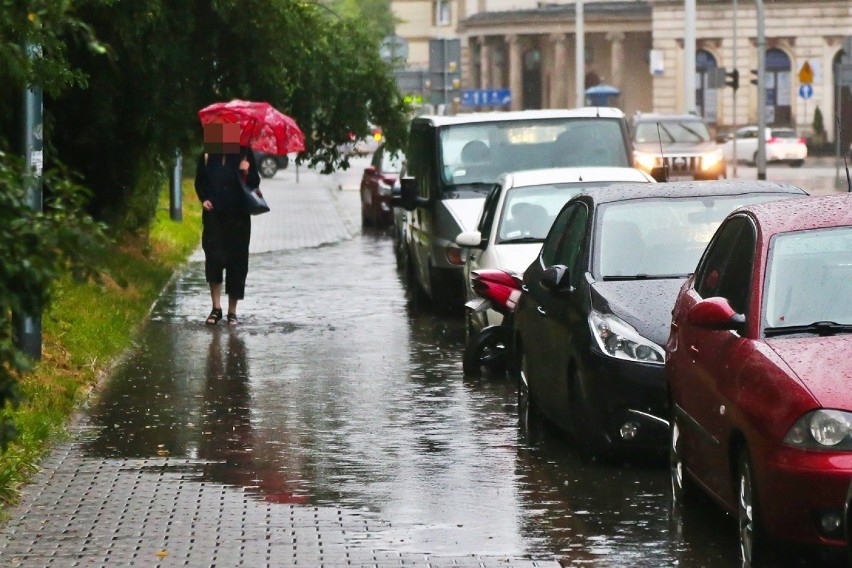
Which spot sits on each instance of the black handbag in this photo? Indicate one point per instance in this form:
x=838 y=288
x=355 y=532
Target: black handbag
x=253 y=199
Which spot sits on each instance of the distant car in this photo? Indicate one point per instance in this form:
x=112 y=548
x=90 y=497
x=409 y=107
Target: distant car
x=783 y=145
x=377 y=187
x=363 y=146
x=680 y=143
x=269 y=164
x=595 y=309
x=516 y=217
x=758 y=369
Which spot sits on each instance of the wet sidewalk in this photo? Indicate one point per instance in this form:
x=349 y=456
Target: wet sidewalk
x=136 y=487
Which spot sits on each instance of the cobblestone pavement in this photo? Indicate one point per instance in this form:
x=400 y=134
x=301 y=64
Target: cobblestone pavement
x=88 y=510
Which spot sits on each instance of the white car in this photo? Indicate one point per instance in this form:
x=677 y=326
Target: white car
x=782 y=145
x=517 y=216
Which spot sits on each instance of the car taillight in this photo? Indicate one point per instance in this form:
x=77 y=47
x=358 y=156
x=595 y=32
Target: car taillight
x=772 y=140
x=454 y=256
x=802 y=141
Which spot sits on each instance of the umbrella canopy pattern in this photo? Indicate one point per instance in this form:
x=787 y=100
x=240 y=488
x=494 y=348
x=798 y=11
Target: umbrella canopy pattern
x=262 y=126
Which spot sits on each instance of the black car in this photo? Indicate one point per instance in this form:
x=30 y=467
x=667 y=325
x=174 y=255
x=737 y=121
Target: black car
x=596 y=305
x=269 y=164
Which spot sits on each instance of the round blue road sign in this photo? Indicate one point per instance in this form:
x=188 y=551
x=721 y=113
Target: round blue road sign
x=806 y=91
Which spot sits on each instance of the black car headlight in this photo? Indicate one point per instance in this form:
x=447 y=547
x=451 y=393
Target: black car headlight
x=822 y=429
x=619 y=339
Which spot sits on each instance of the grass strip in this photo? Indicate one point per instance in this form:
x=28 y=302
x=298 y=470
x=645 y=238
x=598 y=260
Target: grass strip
x=87 y=329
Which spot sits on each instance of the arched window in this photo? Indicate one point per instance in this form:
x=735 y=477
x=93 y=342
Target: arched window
x=705 y=94
x=779 y=110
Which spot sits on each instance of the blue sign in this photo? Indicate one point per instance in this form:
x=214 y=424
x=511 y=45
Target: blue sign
x=806 y=91
x=486 y=97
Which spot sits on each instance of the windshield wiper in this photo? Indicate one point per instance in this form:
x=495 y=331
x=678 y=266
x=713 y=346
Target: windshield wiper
x=476 y=185
x=521 y=240
x=642 y=277
x=818 y=327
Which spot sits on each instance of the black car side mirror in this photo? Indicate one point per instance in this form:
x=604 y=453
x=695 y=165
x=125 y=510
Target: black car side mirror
x=556 y=280
x=410 y=195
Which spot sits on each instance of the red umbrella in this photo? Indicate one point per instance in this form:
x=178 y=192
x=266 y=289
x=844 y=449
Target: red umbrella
x=262 y=126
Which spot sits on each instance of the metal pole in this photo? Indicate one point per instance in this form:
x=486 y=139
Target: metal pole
x=580 y=54
x=176 y=193
x=27 y=327
x=689 y=55
x=446 y=75
x=761 y=90
x=734 y=57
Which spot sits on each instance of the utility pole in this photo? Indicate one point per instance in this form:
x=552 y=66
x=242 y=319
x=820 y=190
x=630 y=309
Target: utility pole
x=734 y=117
x=761 y=90
x=689 y=55
x=27 y=327
x=580 y=54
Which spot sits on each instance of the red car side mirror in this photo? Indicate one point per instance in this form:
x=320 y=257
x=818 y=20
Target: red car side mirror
x=715 y=313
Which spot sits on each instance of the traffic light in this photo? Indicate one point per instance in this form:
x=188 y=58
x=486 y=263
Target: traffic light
x=733 y=79
x=754 y=80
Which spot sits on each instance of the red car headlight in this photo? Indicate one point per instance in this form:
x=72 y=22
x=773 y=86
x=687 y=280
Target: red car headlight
x=822 y=429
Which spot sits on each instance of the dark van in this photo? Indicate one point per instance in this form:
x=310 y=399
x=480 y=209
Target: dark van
x=453 y=162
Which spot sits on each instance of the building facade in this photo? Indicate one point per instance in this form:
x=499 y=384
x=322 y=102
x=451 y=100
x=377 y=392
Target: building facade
x=637 y=47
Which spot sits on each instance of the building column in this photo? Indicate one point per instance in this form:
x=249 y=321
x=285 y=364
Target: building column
x=559 y=83
x=484 y=64
x=515 y=71
x=616 y=61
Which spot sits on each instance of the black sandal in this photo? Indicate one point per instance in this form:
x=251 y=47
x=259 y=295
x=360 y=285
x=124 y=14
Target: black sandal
x=215 y=316
x=232 y=318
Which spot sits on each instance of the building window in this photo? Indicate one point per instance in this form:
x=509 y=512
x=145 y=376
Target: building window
x=442 y=12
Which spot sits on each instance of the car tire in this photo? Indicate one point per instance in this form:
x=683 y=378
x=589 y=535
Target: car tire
x=682 y=488
x=753 y=540
x=797 y=163
x=526 y=405
x=487 y=349
x=267 y=167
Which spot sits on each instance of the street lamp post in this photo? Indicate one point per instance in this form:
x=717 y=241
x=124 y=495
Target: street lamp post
x=761 y=90
x=27 y=327
x=580 y=54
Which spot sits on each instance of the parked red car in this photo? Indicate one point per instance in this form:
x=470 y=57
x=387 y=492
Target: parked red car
x=377 y=185
x=759 y=368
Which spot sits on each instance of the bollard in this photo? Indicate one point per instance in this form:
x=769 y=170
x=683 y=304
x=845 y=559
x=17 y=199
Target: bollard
x=175 y=190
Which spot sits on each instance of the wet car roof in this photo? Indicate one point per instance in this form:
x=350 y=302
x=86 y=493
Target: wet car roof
x=790 y=215
x=622 y=191
x=497 y=116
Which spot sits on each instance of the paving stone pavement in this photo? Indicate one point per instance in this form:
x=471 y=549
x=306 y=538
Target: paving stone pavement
x=101 y=512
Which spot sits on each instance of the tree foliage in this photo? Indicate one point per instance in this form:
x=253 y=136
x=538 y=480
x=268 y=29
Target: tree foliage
x=38 y=248
x=123 y=82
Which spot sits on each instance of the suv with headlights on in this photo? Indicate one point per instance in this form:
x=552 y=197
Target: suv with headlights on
x=676 y=147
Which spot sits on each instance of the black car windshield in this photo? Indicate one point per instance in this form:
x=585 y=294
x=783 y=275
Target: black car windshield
x=659 y=238
x=528 y=212
x=671 y=132
x=809 y=280
x=479 y=152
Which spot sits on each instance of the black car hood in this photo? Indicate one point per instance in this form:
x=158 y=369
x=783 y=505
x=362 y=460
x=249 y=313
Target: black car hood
x=645 y=304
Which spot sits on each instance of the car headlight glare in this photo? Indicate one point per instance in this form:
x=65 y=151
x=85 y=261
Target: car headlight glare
x=822 y=430
x=709 y=161
x=620 y=340
x=645 y=161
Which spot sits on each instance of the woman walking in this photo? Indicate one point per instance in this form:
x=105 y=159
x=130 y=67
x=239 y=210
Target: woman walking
x=226 y=223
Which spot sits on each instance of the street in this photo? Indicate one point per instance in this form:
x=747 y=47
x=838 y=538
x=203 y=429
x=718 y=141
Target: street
x=335 y=427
